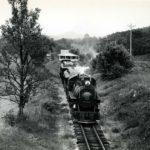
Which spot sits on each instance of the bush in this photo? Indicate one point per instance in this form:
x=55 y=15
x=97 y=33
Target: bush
x=10 y=118
x=93 y=64
x=113 y=62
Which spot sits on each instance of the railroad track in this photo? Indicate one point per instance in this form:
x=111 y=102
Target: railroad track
x=90 y=137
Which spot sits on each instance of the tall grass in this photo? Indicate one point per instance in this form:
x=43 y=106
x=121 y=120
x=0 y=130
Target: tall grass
x=129 y=102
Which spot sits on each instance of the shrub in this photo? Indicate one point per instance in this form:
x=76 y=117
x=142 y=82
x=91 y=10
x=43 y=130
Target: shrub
x=10 y=118
x=93 y=64
x=114 y=61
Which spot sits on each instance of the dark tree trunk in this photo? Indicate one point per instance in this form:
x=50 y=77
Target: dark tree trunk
x=21 y=103
x=20 y=111
x=21 y=107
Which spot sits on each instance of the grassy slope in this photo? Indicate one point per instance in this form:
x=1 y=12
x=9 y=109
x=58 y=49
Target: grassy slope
x=41 y=129
x=125 y=108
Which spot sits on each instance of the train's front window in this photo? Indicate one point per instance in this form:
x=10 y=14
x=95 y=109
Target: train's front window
x=67 y=57
x=73 y=57
x=62 y=57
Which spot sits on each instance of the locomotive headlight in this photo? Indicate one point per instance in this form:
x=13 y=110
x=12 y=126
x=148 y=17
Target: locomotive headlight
x=87 y=83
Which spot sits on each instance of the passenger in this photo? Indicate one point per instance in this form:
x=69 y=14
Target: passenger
x=66 y=73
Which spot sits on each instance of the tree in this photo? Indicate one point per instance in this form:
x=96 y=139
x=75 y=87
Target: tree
x=20 y=71
x=114 y=61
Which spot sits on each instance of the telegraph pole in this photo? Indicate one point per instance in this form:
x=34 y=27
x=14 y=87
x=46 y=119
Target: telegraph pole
x=131 y=27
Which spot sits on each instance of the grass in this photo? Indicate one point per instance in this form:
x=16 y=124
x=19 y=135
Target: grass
x=37 y=131
x=41 y=129
x=127 y=100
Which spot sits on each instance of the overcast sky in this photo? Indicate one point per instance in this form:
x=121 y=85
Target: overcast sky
x=96 y=17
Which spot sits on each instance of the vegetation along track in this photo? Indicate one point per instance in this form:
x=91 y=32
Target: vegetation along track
x=90 y=137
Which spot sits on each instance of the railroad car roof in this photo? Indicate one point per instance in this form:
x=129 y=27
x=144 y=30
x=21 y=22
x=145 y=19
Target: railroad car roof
x=67 y=54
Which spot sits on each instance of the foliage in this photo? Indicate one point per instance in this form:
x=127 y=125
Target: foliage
x=74 y=51
x=140 y=40
x=93 y=63
x=10 y=118
x=126 y=102
x=63 y=44
x=85 y=47
x=113 y=62
x=23 y=54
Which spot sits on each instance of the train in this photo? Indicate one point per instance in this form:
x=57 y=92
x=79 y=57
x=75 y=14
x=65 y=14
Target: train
x=80 y=92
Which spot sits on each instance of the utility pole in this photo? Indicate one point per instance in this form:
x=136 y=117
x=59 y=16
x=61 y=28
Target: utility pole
x=131 y=27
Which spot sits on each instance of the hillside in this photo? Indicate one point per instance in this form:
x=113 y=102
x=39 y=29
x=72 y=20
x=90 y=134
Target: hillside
x=68 y=35
x=125 y=108
x=140 y=40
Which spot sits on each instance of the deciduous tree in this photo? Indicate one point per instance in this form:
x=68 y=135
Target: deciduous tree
x=25 y=47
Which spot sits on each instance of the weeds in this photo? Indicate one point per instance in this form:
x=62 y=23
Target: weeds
x=10 y=119
x=129 y=102
x=68 y=136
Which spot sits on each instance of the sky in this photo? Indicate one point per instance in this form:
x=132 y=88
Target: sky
x=95 y=17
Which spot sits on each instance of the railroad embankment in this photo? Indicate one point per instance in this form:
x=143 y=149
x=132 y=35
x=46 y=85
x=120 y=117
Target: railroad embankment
x=47 y=124
x=125 y=108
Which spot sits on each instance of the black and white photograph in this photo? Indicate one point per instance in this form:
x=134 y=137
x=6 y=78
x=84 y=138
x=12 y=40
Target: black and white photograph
x=74 y=74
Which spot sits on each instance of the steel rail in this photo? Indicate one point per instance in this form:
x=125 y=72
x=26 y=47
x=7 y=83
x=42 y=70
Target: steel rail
x=85 y=138
x=100 y=142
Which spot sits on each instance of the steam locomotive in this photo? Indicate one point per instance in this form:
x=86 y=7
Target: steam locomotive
x=81 y=93
x=83 y=99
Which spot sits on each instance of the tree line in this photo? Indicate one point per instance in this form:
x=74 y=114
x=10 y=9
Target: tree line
x=140 y=40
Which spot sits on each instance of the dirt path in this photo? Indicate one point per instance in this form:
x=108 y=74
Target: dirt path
x=65 y=124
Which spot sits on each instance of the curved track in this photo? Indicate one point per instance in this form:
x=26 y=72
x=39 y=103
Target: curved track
x=90 y=137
